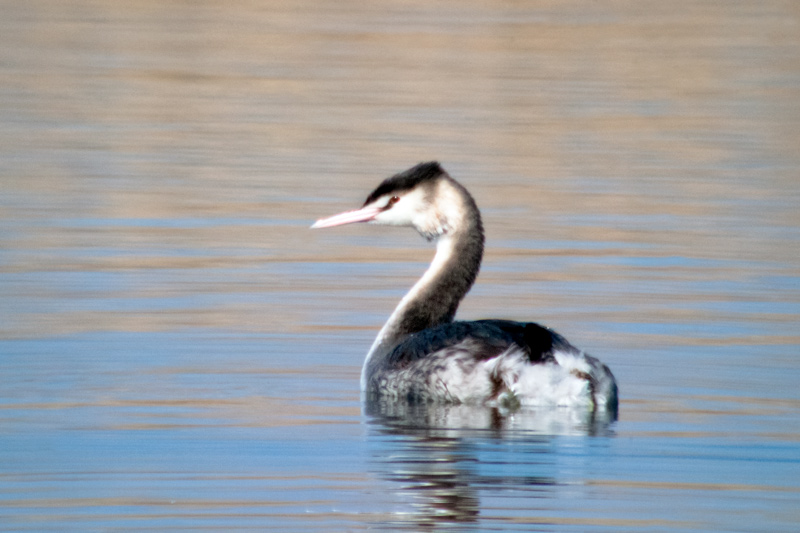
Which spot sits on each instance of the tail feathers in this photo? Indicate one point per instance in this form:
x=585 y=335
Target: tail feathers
x=572 y=379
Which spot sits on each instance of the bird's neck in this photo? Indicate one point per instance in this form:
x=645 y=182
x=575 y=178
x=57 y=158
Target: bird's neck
x=434 y=299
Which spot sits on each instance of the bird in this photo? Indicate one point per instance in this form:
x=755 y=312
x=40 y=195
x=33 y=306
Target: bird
x=423 y=355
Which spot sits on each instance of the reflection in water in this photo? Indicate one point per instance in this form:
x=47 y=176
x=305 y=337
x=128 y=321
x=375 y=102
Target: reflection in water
x=177 y=349
x=439 y=474
x=447 y=420
x=432 y=453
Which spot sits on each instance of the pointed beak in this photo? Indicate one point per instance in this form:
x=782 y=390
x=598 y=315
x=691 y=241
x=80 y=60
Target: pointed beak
x=365 y=214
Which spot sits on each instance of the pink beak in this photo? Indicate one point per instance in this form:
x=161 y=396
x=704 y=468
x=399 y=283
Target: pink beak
x=365 y=214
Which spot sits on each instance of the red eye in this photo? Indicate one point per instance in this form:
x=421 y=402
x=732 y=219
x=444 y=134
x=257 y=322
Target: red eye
x=393 y=200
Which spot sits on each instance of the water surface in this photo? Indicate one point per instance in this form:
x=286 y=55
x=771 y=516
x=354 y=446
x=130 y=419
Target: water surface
x=180 y=352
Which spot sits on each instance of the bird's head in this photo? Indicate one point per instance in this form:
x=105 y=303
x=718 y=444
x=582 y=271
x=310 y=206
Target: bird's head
x=418 y=198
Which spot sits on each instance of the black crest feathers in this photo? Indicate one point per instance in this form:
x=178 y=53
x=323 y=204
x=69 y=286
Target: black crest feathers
x=407 y=180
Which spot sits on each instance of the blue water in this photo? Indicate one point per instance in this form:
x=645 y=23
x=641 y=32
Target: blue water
x=180 y=352
x=215 y=429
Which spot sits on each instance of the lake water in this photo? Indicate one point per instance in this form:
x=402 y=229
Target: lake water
x=179 y=352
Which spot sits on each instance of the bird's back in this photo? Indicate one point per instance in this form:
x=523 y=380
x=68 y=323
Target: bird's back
x=492 y=361
x=486 y=338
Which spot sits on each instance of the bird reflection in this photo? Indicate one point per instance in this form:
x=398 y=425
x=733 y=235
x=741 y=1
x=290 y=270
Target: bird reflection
x=436 y=454
x=437 y=475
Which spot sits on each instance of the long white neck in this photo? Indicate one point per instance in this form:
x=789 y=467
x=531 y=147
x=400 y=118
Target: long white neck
x=412 y=304
x=434 y=299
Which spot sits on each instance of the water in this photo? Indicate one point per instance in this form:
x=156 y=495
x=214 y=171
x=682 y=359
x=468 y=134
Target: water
x=180 y=352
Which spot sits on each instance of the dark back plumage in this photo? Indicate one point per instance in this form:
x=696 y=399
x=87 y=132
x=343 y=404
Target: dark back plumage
x=488 y=338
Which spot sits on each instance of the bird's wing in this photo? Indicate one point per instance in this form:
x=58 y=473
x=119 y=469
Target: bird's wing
x=486 y=339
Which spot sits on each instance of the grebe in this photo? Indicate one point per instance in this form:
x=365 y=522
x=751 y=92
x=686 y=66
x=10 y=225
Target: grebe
x=422 y=355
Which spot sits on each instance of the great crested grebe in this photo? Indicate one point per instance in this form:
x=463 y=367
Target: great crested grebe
x=422 y=355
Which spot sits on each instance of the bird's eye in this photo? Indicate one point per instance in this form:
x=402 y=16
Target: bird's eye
x=393 y=200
